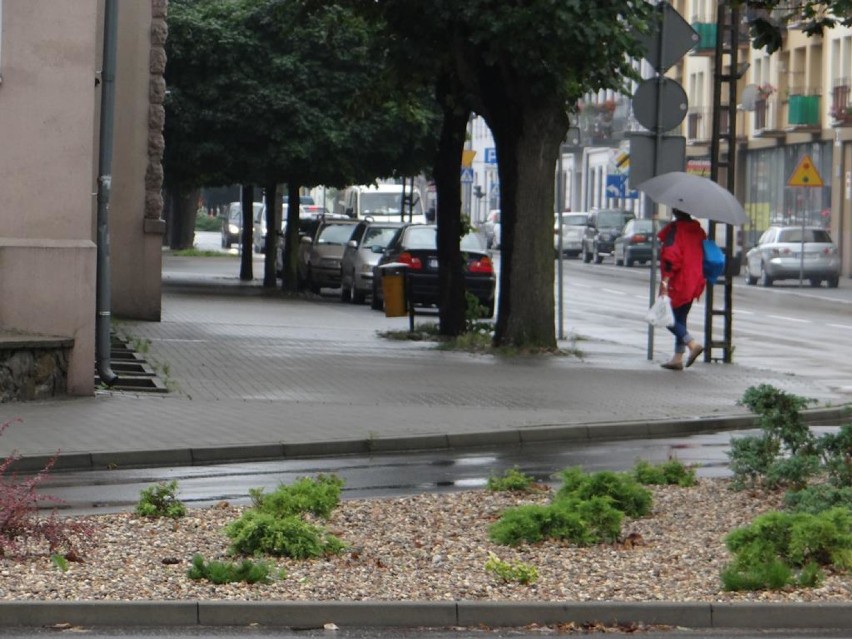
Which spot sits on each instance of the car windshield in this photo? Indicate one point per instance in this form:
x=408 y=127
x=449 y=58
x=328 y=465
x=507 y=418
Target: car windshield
x=612 y=218
x=335 y=234
x=425 y=237
x=378 y=236
x=643 y=226
x=574 y=220
x=811 y=235
x=386 y=204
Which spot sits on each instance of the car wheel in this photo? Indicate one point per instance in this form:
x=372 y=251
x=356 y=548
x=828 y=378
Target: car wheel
x=619 y=261
x=376 y=301
x=587 y=257
x=833 y=281
x=765 y=279
x=345 y=291
x=313 y=287
x=815 y=282
x=598 y=256
x=628 y=261
x=356 y=296
x=225 y=243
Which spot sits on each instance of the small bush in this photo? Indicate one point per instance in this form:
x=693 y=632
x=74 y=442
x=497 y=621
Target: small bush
x=582 y=522
x=511 y=572
x=671 y=472
x=19 y=516
x=220 y=572
x=160 y=500
x=781 y=549
x=836 y=452
x=625 y=492
x=258 y=532
x=818 y=498
x=513 y=480
x=318 y=496
x=207 y=223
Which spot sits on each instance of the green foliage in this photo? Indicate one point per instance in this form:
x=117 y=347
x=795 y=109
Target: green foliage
x=318 y=496
x=204 y=222
x=836 y=452
x=59 y=561
x=511 y=572
x=780 y=549
x=818 y=498
x=513 y=480
x=672 y=472
x=785 y=453
x=288 y=536
x=220 y=572
x=625 y=492
x=160 y=500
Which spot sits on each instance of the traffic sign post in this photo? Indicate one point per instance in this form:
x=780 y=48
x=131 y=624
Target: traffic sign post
x=805 y=175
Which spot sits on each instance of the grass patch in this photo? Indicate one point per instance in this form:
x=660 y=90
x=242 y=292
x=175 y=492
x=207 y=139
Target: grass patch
x=194 y=252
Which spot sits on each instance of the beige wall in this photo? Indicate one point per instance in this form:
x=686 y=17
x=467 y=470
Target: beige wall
x=136 y=232
x=47 y=114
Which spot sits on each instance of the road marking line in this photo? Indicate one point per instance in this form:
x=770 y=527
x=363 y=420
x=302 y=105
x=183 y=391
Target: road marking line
x=846 y=326
x=612 y=290
x=790 y=319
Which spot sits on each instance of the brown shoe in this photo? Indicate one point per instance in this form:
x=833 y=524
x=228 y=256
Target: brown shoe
x=673 y=366
x=693 y=355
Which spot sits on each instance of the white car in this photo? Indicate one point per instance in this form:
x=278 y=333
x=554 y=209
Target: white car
x=573 y=229
x=492 y=227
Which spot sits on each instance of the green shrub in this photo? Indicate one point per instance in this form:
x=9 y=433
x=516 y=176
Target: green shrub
x=258 y=532
x=160 y=500
x=220 y=572
x=836 y=452
x=513 y=480
x=786 y=452
x=207 y=223
x=671 y=472
x=318 y=496
x=818 y=498
x=582 y=522
x=509 y=572
x=779 y=549
x=626 y=493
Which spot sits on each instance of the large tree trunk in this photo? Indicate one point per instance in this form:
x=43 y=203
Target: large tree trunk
x=273 y=224
x=247 y=201
x=527 y=147
x=184 y=208
x=448 y=186
x=289 y=277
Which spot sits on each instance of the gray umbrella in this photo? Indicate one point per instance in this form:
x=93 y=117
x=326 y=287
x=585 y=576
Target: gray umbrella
x=698 y=196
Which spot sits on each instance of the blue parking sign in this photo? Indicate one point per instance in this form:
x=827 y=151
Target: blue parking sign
x=491 y=155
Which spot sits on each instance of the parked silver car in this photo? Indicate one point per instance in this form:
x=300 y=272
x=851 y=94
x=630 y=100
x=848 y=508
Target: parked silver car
x=793 y=252
x=573 y=229
x=320 y=255
x=361 y=254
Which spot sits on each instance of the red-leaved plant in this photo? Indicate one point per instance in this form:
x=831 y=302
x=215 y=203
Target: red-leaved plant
x=19 y=516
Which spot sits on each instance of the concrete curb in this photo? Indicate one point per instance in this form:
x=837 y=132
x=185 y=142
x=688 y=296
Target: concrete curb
x=440 y=614
x=544 y=433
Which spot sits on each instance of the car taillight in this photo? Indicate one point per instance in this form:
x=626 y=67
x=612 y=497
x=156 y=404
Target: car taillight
x=638 y=239
x=829 y=250
x=412 y=261
x=778 y=252
x=481 y=265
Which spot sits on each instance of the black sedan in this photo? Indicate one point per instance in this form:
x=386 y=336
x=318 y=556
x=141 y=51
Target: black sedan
x=416 y=246
x=634 y=243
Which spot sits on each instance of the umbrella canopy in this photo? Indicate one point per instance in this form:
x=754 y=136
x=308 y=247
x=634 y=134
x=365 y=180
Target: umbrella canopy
x=698 y=196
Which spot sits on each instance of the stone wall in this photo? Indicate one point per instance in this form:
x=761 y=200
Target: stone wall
x=33 y=367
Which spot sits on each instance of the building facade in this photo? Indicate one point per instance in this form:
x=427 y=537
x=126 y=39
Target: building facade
x=50 y=91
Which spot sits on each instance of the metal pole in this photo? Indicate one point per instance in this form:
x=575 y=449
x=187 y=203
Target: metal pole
x=107 y=124
x=560 y=206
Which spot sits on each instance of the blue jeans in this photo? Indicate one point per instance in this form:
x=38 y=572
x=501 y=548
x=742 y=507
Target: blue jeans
x=682 y=336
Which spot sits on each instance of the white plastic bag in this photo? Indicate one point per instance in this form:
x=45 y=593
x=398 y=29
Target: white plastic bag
x=660 y=314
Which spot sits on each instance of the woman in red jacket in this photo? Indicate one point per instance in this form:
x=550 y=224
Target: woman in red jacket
x=682 y=279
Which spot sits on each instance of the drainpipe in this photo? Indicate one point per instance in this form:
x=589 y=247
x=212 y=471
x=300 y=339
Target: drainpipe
x=103 y=302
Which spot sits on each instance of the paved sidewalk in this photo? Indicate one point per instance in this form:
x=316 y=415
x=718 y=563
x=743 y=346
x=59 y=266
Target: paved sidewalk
x=254 y=375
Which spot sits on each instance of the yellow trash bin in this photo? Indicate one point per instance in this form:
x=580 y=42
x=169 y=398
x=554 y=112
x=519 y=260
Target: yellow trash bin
x=393 y=289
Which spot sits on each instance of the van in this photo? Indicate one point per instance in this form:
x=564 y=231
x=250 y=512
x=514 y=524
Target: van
x=383 y=203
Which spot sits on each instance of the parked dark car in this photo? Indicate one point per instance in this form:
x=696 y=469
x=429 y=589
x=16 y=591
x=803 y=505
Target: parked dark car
x=321 y=254
x=634 y=243
x=602 y=227
x=416 y=246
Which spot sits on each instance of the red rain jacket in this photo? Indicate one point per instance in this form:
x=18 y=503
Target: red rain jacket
x=682 y=260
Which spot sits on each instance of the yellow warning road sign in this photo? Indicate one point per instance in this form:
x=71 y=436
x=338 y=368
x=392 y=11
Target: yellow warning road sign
x=467 y=158
x=805 y=174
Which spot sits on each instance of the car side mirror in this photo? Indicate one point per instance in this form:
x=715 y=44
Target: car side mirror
x=352 y=244
x=307 y=239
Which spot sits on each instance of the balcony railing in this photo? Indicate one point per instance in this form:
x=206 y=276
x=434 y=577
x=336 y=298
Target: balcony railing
x=766 y=114
x=699 y=124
